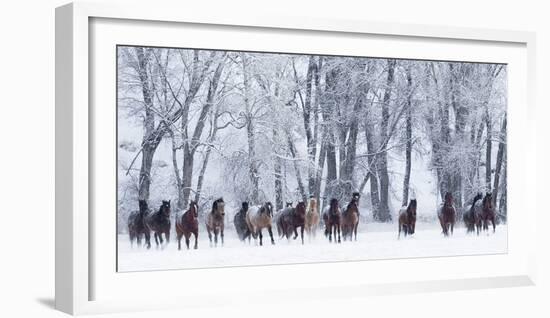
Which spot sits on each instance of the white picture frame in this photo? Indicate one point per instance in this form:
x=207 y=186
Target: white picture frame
x=76 y=291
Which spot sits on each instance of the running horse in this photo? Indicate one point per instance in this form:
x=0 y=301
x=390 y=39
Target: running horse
x=290 y=219
x=188 y=224
x=312 y=218
x=137 y=227
x=240 y=222
x=258 y=218
x=447 y=215
x=159 y=223
x=350 y=218
x=487 y=213
x=407 y=219
x=333 y=219
x=215 y=221
x=469 y=216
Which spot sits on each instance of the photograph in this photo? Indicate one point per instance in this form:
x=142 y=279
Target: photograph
x=241 y=158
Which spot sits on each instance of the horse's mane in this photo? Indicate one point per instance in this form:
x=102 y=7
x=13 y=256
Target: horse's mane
x=476 y=198
x=411 y=206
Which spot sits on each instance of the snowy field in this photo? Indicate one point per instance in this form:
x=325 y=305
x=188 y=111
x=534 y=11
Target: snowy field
x=375 y=241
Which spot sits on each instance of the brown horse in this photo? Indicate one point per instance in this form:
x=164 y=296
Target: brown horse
x=407 y=219
x=332 y=218
x=469 y=216
x=447 y=215
x=289 y=220
x=350 y=218
x=215 y=221
x=487 y=213
x=188 y=224
x=312 y=218
x=159 y=223
x=137 y=226
x=258 y=218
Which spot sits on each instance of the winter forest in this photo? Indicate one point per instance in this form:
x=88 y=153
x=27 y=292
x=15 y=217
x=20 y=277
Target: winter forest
x=256 y=127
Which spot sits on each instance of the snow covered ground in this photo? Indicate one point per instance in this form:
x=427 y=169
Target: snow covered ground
x=375 y=241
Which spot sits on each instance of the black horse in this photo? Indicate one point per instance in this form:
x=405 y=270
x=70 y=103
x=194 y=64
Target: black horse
x=469 y=216
x=137 y=226
x=240 y=222
x=159 y=222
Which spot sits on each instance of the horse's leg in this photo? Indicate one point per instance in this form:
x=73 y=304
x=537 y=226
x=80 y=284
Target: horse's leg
x=155 y=235
x=338 y=227
x=160 y=238
x=215 y=237
x=187 y=236
x=196 y=240
x=452 y=228
x=178 y=237
x=494 y=225
x=271 y=235
x=148 y=239
x=398 y=230
x=329 y=233
x=302 y=233
x=221 y=233
x=209 y=235
x=167 y=234
x=138 y=238
x=295 y=233
x=260 y=234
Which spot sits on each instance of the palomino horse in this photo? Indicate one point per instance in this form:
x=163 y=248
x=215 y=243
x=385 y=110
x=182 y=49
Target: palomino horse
x=188 y=224
x=159 y=223
x=240 y=222
x=137 y=225
x=215 y=221
x=258 y=218
x=350 y=218
x=290 y=219
x=487 y=213
x=332 y=218
x=469 y=216
x=407 y=219
x=447 y=215
x=312 y=218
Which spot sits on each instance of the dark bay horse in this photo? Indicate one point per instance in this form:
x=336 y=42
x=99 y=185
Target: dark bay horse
x=290 y=219
x=240 y=222
x=215 y=221
x=137 y=225
x=159 y=223
x=350 y=218
x=332 y=218
x=258 y=218
x=487 y=213
x=407 y=219
x=469 y=216
x=447 y=215
x=188 y=224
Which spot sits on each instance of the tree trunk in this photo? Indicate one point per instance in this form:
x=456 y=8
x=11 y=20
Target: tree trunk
x=488 y=150
x=384 y=210
x=148 y=147
x=292 y=150
x=252 y=165
x=277 y=170
x=500 y=157
x=408 y=146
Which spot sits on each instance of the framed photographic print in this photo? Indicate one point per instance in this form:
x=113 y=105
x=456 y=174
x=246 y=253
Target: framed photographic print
x=245 y=149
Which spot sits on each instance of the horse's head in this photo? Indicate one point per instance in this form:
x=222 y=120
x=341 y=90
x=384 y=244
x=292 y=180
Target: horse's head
x=165 y=207
x=333 y=206
x=301 y=208
x=143 y=206
x=288 y=204
x=245 y=206
x=218 y=207
x=488 y=201
x=267 y=208
x=194 y=208
x=355 y=197
x=448 y=198
x=478 y=197
x=312 y=203
x=412 y=208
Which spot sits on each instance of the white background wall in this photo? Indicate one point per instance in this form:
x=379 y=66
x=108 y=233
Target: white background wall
x=27 y=158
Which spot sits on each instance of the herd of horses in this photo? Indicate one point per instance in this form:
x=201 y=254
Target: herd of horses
x=250 y=221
